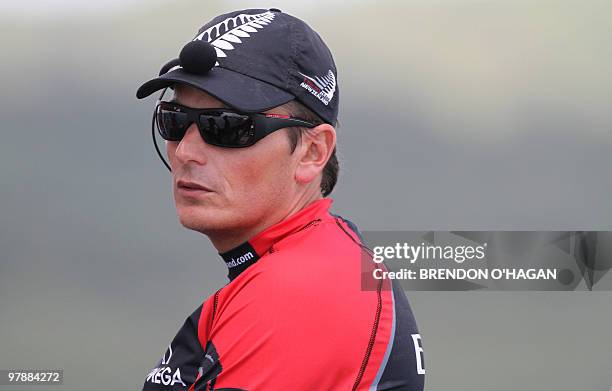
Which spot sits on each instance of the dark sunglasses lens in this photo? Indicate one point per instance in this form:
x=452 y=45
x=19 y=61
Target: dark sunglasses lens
x=171 y=123
x=227 y=129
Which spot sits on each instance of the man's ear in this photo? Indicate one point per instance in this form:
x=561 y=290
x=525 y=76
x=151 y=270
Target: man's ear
x=314 y=150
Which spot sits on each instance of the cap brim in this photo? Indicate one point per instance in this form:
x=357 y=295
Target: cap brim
x=232 y=88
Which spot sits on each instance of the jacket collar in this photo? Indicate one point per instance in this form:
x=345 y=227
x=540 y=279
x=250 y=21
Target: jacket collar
x=242 y=256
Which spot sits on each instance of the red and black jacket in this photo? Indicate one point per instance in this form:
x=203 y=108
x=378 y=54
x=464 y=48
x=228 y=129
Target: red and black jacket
x=296 y=315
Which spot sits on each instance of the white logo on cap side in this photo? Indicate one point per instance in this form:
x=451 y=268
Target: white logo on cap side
x=323 y=88
x=223 y=38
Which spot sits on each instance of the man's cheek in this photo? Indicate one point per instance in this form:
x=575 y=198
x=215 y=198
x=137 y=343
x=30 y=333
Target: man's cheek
x=170 y=151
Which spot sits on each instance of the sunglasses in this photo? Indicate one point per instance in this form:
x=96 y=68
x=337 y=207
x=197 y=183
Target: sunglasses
x=221 y=127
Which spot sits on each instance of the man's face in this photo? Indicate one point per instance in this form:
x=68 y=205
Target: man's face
x=223 y=190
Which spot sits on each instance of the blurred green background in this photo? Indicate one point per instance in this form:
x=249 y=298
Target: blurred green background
x=459 y=114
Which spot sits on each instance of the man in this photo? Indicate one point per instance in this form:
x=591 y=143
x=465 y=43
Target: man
x=251 y=142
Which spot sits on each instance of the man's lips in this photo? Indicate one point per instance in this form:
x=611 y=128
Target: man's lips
x=191 y=186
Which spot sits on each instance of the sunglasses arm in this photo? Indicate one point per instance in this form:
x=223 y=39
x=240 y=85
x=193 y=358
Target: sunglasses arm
x=276 y=122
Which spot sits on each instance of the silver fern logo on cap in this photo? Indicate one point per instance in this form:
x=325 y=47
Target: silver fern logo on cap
x=323 y=88
x=226 y=34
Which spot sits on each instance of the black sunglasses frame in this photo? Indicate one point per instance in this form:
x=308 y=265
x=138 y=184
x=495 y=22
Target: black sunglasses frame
x=261 y=124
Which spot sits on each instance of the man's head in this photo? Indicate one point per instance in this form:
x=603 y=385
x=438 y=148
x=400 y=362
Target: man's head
x=219 y=190
x=252 y=61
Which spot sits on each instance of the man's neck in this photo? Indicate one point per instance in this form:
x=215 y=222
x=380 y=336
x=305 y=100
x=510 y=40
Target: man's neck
x=225 y=241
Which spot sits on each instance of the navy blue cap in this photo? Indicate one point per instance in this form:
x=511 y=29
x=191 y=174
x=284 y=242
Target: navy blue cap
x=254 y=60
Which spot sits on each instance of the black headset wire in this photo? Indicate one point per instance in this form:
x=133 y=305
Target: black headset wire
x=153 y=122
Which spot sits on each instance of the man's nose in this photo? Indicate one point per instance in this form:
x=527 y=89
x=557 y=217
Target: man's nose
x=192 y=147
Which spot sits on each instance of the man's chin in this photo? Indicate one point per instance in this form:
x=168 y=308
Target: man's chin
x=201 y=219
